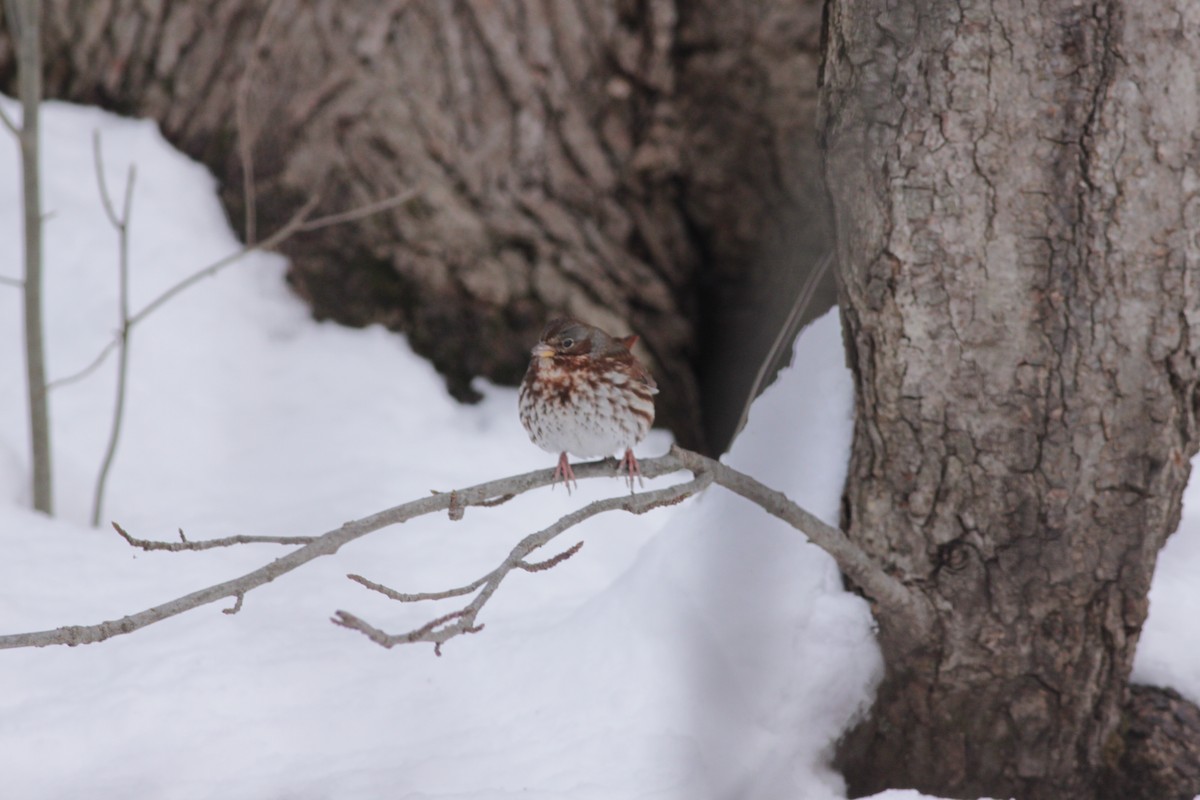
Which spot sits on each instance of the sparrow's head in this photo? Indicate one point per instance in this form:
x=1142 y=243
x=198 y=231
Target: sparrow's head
x=568 y=337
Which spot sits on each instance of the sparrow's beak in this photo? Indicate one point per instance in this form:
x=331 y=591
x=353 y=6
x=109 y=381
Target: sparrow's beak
x=542 y=350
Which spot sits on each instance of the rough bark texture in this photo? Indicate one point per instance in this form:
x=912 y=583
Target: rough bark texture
x=1160 y=758
x=643 y=166
x=1015 y=193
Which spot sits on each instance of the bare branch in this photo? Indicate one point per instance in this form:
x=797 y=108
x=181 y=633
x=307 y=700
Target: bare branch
x=121 y=223
x=89 y=369
x=883 y=589
x=289 y=229
x=363 y=211
x=17 y=282
x=464 y=620
x=430 y=632
x=419 y=596
x=294 y=224
x=208 y=544
x=323 y=545
x=851 y=559
x=102 y=183
x=299 y=222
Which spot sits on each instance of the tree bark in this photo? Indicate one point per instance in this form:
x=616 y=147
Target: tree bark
x=1160 y=756
x=1014 y=192
x=647 y=166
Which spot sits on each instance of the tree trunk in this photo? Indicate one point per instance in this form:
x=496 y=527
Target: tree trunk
x=648 y=167
x=1014 y=192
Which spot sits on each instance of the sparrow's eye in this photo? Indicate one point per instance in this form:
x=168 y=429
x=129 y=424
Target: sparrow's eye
x=568 y=343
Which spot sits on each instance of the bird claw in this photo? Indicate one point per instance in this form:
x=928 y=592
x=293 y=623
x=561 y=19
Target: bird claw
x=630 y=462
x=564 y=473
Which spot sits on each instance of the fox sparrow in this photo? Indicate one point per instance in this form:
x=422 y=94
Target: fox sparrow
x=585 y=393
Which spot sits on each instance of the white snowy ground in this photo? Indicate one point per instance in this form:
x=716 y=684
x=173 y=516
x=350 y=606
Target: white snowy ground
x=702 y=651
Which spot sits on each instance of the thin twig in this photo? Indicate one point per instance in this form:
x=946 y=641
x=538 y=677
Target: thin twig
x=418 y=597
x=89 y=369
x=290 y=228
x=121 y=223
x=241 y=101
x=293 y=225
x=297 y=223
x=102 y=183
x=17 y=282
x=362 y=211
x=208 y=544
x=429 y=632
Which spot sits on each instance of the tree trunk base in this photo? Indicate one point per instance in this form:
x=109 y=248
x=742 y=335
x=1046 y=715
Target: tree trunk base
x=1156 y=758
x=1160 y=757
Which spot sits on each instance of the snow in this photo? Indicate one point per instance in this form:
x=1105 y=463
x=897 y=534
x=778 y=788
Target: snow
x=700 y=651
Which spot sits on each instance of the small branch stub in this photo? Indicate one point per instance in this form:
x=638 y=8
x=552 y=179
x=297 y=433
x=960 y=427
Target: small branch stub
x=207 y=544
x=455 y=511
x=237 y=604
